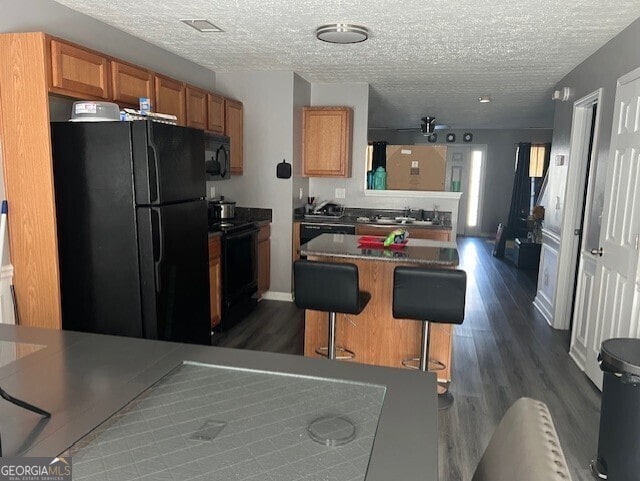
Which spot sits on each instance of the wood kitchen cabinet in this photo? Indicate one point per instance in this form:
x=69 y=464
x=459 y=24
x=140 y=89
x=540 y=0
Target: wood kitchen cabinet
x=170 y=98
x=326 y=141
x=264 y=259
x=215 y=113
x=196 y=108
x=215 y=281
x=414 y=233
x=130 y=83
x=233 y=123
x=77 y=71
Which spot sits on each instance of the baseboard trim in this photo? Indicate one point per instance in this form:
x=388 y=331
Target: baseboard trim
x=278 y=296
x=542 y=309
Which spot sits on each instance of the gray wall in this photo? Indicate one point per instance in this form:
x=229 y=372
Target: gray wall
x=501 y=148
x=301 y=98
x=602 y=69
x=51 y=17
x=268 y=99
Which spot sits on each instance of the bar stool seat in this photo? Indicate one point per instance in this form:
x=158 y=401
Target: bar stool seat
x=332 y=288
x=430 y=296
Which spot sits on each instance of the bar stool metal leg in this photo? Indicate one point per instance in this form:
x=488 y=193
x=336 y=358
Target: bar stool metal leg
x=332 y=351
x=423 y=363
x=332 y=336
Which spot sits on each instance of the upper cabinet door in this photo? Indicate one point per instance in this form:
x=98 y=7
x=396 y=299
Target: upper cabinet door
x=215 y=121
x=79 y=72
x=130 y=83
x=326 y=141
x=196 y=108
x=234 y=129
x=170 y=98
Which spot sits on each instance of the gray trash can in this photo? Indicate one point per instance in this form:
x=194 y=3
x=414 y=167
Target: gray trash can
x=619 y=441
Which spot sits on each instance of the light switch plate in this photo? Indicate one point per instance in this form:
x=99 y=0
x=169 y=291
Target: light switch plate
x=559 y=159
x=340 y=193
x=300 y=194
x=212 y=192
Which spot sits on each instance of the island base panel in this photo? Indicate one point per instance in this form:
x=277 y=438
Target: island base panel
x=374 y=335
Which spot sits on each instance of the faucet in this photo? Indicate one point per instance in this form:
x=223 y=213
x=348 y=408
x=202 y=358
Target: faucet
x=435 y=213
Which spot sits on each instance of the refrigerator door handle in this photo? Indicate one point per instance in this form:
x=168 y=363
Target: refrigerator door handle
x=154 y=181
x=158 y=246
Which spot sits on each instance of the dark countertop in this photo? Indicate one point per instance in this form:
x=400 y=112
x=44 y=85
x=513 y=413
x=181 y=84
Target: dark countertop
x=83 y=379
x=417 y=251
x=351 y=220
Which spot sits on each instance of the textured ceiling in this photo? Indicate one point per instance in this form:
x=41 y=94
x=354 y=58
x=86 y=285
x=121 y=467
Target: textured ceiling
x=423 y=57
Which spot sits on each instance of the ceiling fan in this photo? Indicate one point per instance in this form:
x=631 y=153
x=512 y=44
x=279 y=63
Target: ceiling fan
x=427 y=127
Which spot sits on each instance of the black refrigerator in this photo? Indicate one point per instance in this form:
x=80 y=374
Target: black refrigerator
x=132 y=229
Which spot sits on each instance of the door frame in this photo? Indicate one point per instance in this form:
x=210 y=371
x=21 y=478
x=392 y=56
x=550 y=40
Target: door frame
x=574 y=196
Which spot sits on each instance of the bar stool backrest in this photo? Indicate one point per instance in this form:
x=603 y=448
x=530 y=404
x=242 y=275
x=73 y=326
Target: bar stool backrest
x=434 y=295
x=325 y=286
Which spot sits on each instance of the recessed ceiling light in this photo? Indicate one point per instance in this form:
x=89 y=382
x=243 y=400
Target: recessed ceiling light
x=342 y=33
x=202 y=25
x=485 y=99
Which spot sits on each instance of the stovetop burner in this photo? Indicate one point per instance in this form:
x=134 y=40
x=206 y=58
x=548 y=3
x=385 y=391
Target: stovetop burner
x=229 y=225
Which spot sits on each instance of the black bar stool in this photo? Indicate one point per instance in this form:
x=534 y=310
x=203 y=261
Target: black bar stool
x=429 y=295
x=332 y=288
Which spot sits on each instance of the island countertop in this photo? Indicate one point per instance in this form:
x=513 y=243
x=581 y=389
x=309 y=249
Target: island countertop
x=83 y=379
x=417 y=251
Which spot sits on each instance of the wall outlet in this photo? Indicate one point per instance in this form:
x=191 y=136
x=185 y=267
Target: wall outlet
x=212 y=192
x=300 y=194
x=340 y=193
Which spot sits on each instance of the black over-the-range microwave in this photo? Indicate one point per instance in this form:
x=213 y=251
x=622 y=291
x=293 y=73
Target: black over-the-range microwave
x=217 y=155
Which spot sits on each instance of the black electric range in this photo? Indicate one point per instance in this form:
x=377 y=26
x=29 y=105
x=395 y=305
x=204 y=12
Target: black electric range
x=239 y=252
x=228 y=226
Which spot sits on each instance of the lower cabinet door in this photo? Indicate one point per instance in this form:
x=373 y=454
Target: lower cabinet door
x=264 y=266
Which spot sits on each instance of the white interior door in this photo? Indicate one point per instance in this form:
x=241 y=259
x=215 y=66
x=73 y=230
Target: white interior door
x=584 y=141
x=616 y=283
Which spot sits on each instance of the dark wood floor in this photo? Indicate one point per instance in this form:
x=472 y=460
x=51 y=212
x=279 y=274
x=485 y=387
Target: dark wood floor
x=503 y=351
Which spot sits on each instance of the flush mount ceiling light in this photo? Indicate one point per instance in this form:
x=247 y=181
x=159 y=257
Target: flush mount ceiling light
x=202 y=25
x=342 y=33
x=485 y=99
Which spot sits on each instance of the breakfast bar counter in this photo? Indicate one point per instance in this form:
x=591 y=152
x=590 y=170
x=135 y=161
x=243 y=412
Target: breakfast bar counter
x=374 y=335
x=127 y=408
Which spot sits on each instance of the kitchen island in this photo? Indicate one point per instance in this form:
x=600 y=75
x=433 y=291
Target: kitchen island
x=374 y=335
x=211 y=412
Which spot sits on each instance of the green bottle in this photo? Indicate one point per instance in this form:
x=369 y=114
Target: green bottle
x=380 y=179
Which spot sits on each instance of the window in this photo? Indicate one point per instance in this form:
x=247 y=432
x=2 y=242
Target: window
x=473 y=205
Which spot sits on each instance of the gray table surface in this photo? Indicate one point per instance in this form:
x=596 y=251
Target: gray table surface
x=83 y=379
x=417 y=251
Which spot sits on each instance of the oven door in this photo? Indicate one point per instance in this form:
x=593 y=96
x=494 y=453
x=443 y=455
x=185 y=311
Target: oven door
x=239 y=266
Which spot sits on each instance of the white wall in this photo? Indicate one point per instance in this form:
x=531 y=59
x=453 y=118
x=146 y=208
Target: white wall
x=268 y=100
x=301 y=98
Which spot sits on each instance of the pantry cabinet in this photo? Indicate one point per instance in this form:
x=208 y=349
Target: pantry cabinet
x=170 y=98
x=234 y=129
x=78 y=70
x=130 y=83
x=326 y=141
